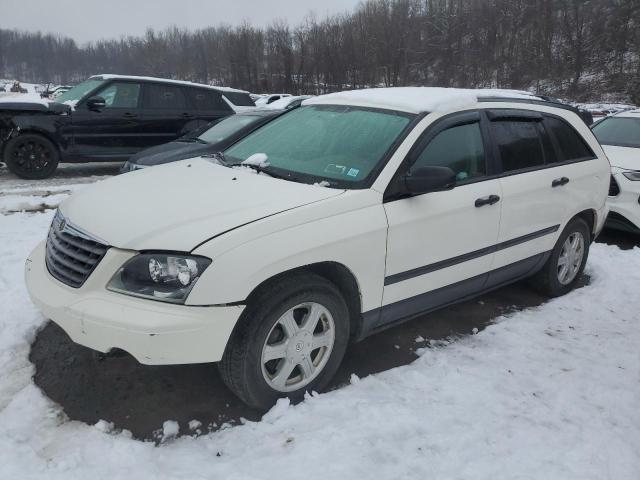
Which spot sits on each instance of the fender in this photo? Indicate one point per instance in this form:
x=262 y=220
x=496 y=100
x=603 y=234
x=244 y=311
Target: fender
x=334 y=230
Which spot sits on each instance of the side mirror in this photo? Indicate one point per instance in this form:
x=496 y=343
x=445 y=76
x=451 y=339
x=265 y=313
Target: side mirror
x=96 y=103
x=428 y=179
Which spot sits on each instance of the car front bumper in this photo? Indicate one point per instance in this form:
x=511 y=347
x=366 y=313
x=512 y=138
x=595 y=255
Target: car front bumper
x=155 y=333
x=626 y=205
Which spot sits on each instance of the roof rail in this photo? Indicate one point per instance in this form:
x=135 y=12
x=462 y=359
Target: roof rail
x=540 y=100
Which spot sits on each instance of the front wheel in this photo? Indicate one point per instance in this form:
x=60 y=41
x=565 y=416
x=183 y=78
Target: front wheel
x=567 y=260
x=31 y=156
x=290 y=340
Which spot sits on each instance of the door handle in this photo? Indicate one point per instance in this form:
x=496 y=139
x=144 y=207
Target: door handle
x=559 y=182
x=490 y=200
x=129 y=115
x=187 y=115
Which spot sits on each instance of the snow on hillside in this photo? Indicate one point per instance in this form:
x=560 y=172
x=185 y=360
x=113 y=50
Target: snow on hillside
x=547 y=393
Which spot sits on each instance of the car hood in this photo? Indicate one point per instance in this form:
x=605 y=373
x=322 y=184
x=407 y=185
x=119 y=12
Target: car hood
x=627 y=158
x=180 y=205
x=171 y=152
x=35 y=106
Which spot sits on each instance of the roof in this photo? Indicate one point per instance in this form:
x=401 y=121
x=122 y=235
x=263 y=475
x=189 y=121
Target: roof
x=417 y=99
x=108 y=76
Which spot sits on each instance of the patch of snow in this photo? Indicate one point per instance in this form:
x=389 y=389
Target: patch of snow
x=30 y=203
x=104 y=426
x=323 y=184
x=170 y=429
x=258 y=159
x=194 y=424
x=277 y=411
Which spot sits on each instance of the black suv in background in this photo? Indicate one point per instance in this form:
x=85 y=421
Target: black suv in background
x=107 y=118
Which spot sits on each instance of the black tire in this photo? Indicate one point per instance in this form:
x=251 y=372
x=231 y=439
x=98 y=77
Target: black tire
x=31 y=156
x=241 y=367
x=547 y=280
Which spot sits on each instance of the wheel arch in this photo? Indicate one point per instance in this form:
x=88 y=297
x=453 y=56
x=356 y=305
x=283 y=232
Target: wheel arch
x=42 y=133
x=338 y=274
x=589 y=216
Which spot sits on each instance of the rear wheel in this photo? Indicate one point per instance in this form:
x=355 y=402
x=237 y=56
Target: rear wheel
x=31 y=156
x=567 y=261
x=290 y=340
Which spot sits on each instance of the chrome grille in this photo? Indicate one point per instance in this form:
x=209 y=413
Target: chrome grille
x=71 y=254
x=614 y=188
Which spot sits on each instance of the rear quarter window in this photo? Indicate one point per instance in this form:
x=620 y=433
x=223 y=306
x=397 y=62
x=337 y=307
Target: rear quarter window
x=239 y=99
x=570 y=144
x=203 y=99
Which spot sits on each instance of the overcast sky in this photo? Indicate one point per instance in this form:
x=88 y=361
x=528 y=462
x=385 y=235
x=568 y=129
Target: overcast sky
x=85 y=20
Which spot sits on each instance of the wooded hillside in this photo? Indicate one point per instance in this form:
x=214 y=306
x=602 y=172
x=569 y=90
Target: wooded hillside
x=588 y=50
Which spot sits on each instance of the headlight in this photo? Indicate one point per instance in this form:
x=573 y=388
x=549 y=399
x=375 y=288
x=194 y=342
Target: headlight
x=633 y=176
x=163 y=276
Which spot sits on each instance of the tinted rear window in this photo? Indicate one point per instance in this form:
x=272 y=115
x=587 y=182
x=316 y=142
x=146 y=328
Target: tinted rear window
x=204 y=99
x=519 y=143
x=239 y=99
x=622 y=131
x=166 y=97
x=571 y=144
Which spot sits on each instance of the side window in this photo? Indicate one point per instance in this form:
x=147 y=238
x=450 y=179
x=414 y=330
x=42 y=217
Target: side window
x=570 y=143
x=460 y=148
x=121 y=95
x=519 y=143
x=164 y=97
x=204 y=99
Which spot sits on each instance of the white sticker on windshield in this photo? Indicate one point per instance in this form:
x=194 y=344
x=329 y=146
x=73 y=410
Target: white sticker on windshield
x=333 y=168
x=353 y=172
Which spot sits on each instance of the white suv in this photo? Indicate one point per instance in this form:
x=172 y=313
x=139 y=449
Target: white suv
x=369 y=208
x=620 y=139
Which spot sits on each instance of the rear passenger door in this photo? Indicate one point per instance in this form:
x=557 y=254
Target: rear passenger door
x=539 y=180
x=165 y=111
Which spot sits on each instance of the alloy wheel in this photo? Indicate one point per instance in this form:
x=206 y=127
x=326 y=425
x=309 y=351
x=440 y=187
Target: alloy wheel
x=31 y=156
x=570 y=258
x=298 y=347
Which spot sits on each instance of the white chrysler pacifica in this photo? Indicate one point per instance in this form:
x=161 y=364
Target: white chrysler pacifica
x=356 y=211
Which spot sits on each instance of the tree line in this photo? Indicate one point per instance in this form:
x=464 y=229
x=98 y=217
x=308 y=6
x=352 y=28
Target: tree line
x=583 y=49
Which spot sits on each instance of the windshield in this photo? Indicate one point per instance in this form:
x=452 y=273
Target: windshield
x=340 y=144
x=227 y=127
x=620 y=131
x=79 y=91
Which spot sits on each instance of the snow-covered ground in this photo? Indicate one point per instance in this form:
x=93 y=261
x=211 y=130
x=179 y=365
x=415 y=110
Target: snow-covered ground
x=546 y=393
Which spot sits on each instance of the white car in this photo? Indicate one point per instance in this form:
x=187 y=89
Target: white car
x=619 y=136
x=270 y=98
x=342 y=217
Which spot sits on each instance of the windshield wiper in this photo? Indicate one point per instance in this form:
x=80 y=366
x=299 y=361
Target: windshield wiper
x=262 y=169
x=218 y=157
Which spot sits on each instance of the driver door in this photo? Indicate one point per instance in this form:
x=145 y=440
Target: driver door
x=440 y=244
x=112 y=132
